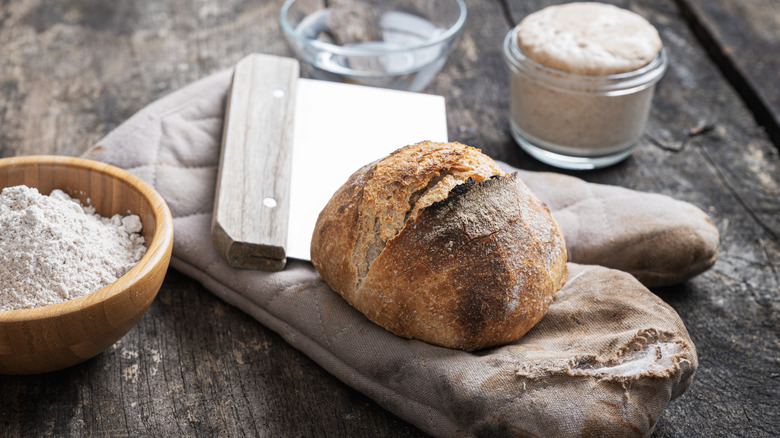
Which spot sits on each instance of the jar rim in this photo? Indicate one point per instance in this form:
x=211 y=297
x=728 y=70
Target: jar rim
x=618 y=83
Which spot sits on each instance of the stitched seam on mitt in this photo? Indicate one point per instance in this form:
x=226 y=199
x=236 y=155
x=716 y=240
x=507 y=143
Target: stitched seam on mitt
x=180 y=166
x=178 y=108
x=319 y=318
x=192 y=214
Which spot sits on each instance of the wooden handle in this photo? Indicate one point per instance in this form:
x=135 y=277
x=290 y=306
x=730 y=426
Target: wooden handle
x=252 y=201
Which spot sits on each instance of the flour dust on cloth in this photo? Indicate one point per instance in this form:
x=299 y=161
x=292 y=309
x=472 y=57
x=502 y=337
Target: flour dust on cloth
x=605 y=359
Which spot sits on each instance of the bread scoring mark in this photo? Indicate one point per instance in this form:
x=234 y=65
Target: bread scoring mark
x=458 y=190
x=420 y=193
x=403 y=184
x=376 y=247
x=328 y=254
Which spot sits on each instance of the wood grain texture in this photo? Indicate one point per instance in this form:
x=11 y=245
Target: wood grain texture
x=743 y=39
x=53 y=337
x=74 y=70
x=252 y=200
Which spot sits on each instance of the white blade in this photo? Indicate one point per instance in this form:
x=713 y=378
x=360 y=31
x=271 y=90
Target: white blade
x=338 y=129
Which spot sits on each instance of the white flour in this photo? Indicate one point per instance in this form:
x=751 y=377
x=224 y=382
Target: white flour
x=53 y=249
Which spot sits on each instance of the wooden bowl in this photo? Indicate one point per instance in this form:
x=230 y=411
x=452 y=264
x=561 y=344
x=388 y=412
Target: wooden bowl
x=57 y=336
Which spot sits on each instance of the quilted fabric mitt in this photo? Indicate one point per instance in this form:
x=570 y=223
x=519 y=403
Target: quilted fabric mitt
x=659 y=240
x=605 y=359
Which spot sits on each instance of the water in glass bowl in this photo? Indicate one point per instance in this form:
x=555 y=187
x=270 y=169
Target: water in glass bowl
x=393 y=60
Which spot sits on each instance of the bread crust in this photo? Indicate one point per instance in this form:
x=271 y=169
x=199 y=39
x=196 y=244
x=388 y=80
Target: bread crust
x=476 y=267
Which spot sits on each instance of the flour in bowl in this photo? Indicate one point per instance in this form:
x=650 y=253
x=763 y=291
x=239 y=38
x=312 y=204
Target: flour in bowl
x=54 y=249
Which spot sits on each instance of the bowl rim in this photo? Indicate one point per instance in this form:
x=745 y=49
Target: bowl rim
x=449 y=33
x=156 y=250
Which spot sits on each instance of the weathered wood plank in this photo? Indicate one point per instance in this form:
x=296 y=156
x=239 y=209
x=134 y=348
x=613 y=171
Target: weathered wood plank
x=743 y=38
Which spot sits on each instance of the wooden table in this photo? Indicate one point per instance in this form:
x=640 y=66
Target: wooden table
x=71 y=71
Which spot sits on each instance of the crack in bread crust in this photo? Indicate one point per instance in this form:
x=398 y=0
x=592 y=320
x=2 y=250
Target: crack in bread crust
x=425 y=170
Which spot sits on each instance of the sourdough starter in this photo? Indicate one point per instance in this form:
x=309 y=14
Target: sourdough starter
x=582 y=81
x=53 y=249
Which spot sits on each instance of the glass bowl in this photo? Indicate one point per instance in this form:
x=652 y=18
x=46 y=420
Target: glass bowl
x=397 y=44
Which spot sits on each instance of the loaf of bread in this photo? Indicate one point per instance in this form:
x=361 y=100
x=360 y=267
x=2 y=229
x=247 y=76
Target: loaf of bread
x=435 y=242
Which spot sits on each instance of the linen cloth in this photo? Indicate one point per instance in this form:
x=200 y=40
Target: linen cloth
x=605 y=360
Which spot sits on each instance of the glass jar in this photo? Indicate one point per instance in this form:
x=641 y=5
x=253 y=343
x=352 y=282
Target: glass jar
x=576 y=121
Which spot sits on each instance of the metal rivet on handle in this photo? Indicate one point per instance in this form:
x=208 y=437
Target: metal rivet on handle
x=278 y=93
x=269 y=202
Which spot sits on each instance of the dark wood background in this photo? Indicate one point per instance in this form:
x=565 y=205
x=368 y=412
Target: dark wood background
x=72 y=70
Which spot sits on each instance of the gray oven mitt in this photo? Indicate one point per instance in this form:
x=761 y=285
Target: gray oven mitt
x=605 y=359
x=659 y=240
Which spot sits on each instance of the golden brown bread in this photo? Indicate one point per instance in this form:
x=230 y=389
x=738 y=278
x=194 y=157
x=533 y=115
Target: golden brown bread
x=435 y=242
